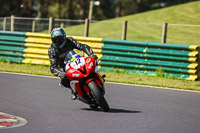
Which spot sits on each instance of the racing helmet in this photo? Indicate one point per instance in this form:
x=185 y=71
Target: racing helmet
x=58 y=37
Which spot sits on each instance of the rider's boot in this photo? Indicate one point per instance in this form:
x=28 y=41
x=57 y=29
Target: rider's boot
x=103 y=77
x=73 y=96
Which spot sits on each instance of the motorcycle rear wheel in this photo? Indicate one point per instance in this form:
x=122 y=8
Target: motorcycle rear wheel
x=98 y=96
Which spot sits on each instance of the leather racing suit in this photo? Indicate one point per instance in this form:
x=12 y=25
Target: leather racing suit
x=57 y=56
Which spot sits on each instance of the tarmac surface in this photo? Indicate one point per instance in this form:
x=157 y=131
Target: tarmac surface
x=48 y=108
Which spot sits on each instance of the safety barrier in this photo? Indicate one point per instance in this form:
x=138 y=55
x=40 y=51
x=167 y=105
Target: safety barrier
x=27 y=47
x=148 y=58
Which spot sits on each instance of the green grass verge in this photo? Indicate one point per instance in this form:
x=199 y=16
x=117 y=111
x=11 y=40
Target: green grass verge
x=111 y=76
x=147 y=26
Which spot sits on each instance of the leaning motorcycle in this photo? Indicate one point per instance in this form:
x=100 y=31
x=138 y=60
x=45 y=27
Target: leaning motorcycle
x=85 y=81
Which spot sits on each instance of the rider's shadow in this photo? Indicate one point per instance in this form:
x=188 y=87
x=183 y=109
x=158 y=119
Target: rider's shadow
x=115 y=110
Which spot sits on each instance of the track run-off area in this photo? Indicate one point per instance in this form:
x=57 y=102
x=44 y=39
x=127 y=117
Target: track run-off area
x=48 y=108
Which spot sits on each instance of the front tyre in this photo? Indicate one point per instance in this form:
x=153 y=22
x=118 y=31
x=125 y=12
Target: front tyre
x=98 y=96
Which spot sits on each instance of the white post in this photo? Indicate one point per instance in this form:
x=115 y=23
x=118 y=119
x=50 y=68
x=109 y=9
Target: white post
x=33 y=26
x=50 y=24
x=61 y=24
x=91 y=10
x=124 y=30
x=164 y=33
x=12 y=23
x=4 y=24
x=86 y=33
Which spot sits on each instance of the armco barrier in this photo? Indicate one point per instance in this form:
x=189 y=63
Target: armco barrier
x=26 y=47
x=148 y=58
x=115 y=55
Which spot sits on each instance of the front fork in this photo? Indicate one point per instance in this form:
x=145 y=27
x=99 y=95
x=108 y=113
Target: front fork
x=79 y=90
x=73 y=85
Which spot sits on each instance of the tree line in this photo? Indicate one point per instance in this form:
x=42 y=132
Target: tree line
x=79 y=9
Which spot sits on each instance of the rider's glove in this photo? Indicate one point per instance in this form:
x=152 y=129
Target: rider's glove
x=94 y=56
x=61 y=75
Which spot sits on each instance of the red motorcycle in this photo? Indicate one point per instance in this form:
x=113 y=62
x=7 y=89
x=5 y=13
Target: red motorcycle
x=86 y=83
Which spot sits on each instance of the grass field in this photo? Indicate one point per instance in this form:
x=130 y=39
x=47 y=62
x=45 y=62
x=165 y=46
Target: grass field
x=111 y=76
x=147 y=26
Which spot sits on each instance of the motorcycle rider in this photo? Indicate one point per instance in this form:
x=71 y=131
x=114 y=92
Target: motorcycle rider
x=58 y=50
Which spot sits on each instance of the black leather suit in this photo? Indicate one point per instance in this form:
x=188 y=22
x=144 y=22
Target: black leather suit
x=57 y=56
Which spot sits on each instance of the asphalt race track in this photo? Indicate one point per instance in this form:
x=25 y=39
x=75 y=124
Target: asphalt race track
x=134 y=109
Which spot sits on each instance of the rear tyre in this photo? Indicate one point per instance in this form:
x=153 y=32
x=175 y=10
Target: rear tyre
x=98 y=96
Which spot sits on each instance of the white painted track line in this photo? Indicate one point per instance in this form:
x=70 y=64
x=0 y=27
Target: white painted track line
x=108 y=82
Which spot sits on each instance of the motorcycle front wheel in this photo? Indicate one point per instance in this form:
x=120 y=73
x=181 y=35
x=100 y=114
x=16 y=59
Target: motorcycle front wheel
x=98 y=96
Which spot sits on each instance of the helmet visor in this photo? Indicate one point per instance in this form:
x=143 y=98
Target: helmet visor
x=58 y=40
